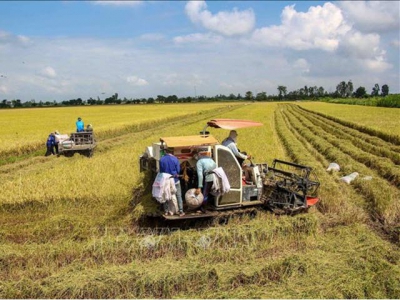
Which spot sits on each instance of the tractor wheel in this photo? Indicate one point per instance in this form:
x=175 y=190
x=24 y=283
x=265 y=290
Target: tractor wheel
x=88 y=153
x=69 y=153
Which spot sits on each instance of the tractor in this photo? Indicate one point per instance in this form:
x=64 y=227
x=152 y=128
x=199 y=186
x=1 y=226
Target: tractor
x=282 y=187
x=82 y=142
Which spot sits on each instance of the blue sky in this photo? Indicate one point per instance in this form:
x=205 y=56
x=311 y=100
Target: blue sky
x=61 y=50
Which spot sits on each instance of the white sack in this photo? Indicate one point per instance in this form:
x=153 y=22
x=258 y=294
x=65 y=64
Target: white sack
x=193 y=201
x=333 y=167
x=349 y=178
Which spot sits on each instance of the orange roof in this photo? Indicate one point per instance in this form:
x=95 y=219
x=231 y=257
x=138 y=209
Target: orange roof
x=232 y=123
x=188 y=141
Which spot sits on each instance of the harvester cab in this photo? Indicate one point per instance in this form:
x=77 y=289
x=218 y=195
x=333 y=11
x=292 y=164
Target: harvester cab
x=287 y=189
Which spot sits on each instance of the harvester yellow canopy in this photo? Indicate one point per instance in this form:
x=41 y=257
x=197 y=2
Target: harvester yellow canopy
x=188 y=141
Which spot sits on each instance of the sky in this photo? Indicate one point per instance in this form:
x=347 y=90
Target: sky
x=62 y=50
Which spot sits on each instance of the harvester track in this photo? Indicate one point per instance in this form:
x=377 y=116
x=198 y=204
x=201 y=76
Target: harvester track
x=157 y=221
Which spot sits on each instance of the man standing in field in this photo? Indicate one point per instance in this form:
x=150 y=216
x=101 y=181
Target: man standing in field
x=230 y=142
x=50 y=144
x=80 y=126
x=170 y=164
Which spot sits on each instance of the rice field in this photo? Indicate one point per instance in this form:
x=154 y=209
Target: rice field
x=69 y=227
x=382 y=120
x=25 y=130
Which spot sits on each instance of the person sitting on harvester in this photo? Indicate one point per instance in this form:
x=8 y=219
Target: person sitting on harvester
x=230 y=142
x=80 y=126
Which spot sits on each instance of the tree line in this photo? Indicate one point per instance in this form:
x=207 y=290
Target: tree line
x=343 y=90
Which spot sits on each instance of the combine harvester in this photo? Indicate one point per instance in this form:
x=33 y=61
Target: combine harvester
x=78 y=142
x=284 y=187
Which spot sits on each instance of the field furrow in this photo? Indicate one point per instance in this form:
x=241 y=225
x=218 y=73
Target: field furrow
x=370 y=144
x=349 y=145
x=391 y=138
x=341 y=201
x=380 y=196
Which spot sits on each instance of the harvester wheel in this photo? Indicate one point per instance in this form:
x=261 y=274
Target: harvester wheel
x=89 y=153
x=69 y=153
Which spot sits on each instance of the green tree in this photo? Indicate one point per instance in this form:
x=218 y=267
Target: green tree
x=311 y=91
x=171 y=99
x=16 y=103
x=375 y=90
x=91 y=101
x=321 y=91
x=4 y=104
x=341 y=89
x=282 y=91
x=261 y=96
x=349 y=89
x=360 y=92
x=160 y=99
x=385 y=90
x=249 y=95
x=232 y=97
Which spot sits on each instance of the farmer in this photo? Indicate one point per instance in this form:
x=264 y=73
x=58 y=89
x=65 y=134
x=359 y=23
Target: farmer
x=50 y=144
x=170 y=164
x=230 y=142
x=56 y=140
x=89 y=127
x=80 y=126
x=205 y=164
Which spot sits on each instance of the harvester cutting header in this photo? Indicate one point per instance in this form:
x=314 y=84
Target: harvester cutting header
x=283 y=187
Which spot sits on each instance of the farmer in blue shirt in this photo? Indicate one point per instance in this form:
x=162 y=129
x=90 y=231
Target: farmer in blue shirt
x=170 y=164
x=80 y=126
x=50 y=144
x=205 y=164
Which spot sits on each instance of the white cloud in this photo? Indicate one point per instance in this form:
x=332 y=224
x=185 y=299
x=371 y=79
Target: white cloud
x=372 y=16
x=152 y=37
x=225 y=86
x=10 y=39
x=118 y=3
x=376 y=65
x=319 y=28
x=324 y=28
x=302 y=65
x=134 y=80
x=185 y=80
x=48 y=72
x=4 y=89
x=395 y=43
x=361 y=46
x=198 y=38
x=226 y=23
